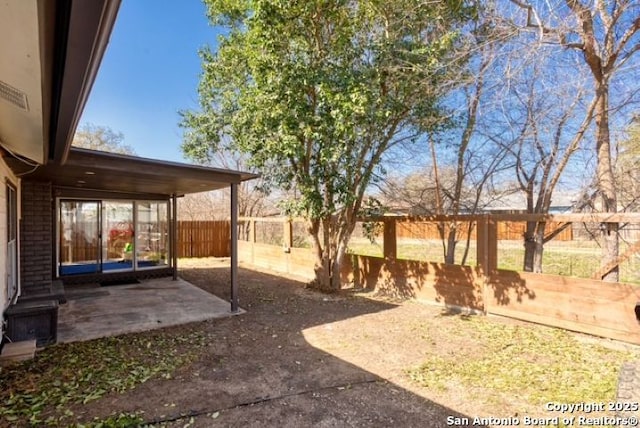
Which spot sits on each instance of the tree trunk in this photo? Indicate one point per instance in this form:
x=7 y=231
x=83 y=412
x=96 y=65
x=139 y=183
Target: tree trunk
x=329 y=253
x=450 y=256
x=467 y=244
x=539 y=247
x=533 y=246
x=443 y=241
x=529 y=246
x=336 y=277
x=606 y=182
x=322 y=280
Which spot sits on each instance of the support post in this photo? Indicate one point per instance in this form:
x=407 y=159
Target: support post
x=234 y=247
x=252 y=231
x=487 y=247
x=174 y=235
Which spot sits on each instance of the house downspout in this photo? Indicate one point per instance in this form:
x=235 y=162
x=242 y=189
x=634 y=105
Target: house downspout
x=174 y=235
x=234 y=247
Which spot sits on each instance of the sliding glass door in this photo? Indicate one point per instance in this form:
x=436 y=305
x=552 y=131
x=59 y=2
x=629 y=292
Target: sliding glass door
x=152 y=233
x=108 y=235
x=117 y=235
x=79 y=234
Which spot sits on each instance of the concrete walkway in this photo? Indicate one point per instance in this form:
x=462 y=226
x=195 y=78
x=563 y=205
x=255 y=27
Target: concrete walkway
x=92 y=311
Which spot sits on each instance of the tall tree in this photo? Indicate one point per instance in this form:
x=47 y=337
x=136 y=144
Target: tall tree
x=541 y=129
x=461 y=161
x=606 y=35
x=471 y=165
x=102 y=138
x=316 y=91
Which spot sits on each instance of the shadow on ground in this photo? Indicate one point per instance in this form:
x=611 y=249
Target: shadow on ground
x=258 y=369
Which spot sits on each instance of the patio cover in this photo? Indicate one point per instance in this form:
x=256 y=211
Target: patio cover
x=94 y=174
x=108 y=172
x=51 y=51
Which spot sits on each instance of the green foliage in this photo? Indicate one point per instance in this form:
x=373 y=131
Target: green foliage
x=372 y=207
x=122 y=420
x=316 y=91
x=40 y=391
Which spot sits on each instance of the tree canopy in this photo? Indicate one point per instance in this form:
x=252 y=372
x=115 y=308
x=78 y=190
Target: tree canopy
x=102 y=138
x=316 y=91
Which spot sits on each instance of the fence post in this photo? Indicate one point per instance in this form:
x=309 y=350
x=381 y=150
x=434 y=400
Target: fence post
x=252 y=239
x=389 y=247
x=487 y=254
x=252 y=230
x=288 y=235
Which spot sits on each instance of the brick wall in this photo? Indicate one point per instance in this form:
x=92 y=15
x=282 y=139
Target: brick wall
x=36 y=234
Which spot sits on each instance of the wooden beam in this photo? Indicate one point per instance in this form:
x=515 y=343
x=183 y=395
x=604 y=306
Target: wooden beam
x=621 y=258
x=557 y=231
x=267 y=219
x=575 y=218
x=252 y=229
x=487 y=247
x=425 y=219
x=558 y=218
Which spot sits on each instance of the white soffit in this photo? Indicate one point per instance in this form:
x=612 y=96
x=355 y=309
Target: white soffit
x=21 y=130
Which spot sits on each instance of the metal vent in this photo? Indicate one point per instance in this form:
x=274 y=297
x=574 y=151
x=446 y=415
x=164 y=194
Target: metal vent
x=14 y=96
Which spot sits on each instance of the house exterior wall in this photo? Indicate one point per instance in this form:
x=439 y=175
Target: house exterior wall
x=36 y=232
x=6 y=176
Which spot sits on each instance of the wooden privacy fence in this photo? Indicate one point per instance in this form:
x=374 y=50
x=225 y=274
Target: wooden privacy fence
x=204 y=238
x=584 y=305
x=195 y=239
x=507 y=230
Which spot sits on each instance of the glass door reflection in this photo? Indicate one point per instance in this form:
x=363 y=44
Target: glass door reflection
x=152 y=233
x=79 y=245
x=118 y=235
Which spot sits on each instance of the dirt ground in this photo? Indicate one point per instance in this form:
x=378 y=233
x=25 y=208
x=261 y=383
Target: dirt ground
x=301 y=358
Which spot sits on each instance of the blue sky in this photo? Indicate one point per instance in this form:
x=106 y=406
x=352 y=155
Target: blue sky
x=149 y=72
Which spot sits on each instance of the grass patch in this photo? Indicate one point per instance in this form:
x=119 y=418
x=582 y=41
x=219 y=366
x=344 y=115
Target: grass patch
x=535 y=365
x=40 y=391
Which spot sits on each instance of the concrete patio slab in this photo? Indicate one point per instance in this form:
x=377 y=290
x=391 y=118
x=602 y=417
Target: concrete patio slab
x=92 y=311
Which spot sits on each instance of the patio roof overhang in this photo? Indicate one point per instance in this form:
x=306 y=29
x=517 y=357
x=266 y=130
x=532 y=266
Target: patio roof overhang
x=93 y=171
x=51 y=51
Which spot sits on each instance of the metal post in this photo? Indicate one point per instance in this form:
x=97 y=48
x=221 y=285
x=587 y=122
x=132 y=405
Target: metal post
x=174 y=235
x=234 y=247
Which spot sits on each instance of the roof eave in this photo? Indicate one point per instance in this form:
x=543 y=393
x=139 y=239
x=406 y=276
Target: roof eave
x=82 y=31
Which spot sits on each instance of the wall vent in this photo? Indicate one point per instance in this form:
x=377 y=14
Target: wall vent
x=14 y=96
